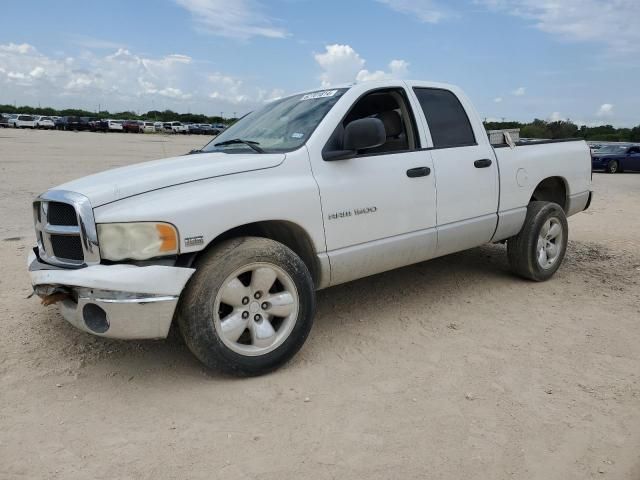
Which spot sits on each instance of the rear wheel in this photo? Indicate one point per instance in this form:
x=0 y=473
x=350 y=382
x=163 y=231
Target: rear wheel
x=613 y=166
x=249 y=306
x=538 y=250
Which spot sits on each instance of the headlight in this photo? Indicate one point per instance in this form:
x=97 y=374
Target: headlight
x=137 y=241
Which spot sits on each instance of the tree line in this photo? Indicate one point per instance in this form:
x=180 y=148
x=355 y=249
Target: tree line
x=567 y=129
x=155 y=115
x=536 y=129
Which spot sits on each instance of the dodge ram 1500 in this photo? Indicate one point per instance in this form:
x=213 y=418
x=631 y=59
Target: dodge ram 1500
x=312 y=190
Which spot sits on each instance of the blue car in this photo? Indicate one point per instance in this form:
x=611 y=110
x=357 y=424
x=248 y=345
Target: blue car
x=616 y=158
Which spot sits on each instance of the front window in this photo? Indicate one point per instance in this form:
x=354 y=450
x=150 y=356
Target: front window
x=280 y=126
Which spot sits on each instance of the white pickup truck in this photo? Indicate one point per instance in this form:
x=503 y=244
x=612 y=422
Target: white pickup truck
x=312 y=190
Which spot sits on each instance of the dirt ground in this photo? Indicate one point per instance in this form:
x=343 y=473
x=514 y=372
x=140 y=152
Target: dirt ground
x=450 y=369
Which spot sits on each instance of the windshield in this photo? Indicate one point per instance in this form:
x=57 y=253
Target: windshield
x=611 y=149
x=280 y=126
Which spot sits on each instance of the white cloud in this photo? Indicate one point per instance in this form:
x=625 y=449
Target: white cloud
x=176 y=93
x=605 y=110
x=426 y=11
x=613 y=23
x=399 y=68
x=121 y=80
x=498 y=100
x=22 y=48
x=555 y=117
x=520 y=91
x=342 y=64
x=37 y=72
x=241 y=19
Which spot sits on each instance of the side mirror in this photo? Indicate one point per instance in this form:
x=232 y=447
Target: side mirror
x=359 y=135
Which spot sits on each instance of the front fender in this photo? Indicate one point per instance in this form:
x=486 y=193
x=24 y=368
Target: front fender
x=202 y=210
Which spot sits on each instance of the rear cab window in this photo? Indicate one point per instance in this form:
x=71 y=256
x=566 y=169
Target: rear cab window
x=446 y=117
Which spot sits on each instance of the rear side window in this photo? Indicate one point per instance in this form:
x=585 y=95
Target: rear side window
x=448 y=122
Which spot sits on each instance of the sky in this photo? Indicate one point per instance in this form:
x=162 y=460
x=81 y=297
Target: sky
x=516 y=59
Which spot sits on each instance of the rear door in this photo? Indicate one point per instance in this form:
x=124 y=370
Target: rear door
x=466 y=169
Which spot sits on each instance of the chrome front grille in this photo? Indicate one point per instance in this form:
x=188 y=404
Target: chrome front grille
x=65 y=229
x=62 y=214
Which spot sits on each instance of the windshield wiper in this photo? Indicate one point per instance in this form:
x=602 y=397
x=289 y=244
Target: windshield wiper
x=249 y=143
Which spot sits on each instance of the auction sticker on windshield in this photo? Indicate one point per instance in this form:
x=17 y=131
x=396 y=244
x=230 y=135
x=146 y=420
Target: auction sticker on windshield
x=325 y=93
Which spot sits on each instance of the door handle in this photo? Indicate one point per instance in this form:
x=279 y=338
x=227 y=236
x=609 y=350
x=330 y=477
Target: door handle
x=484 y=163
x=418 y=172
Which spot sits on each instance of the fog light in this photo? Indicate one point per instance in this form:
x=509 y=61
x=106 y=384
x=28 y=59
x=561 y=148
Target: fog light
x=95 y=318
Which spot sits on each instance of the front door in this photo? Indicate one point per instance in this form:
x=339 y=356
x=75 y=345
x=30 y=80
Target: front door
x=379 y=208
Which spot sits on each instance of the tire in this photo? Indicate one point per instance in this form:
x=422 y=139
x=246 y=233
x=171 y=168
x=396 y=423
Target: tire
x=223 y=291
x=534 y=254
x=613 y=166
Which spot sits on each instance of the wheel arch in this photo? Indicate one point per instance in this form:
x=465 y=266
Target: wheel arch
x=552 y=189
x=286 y=232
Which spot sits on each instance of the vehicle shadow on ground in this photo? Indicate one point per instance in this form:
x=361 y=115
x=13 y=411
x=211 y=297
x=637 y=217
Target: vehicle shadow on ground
x=432 y=281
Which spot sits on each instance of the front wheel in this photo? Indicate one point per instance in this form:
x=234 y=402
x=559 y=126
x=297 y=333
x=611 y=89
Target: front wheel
x=613 y=166
x=249 y=306
x=538 y=250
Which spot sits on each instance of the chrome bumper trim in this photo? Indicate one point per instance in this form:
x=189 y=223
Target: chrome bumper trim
x=140 y=318
x=115 y=289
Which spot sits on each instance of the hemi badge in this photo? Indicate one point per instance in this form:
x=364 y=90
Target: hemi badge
x=193 y=241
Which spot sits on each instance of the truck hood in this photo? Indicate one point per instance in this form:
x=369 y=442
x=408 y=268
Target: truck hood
x=119 y=183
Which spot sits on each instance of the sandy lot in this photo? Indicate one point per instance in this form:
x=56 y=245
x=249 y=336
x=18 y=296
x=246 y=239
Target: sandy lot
x=451 y=369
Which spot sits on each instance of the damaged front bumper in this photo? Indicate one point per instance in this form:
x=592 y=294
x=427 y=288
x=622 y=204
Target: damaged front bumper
x=115 y=301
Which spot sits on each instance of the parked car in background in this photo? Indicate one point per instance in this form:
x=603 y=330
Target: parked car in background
x=174 y=127
x=114 y=125
x=23 y=121
x=147 y=127
x=206 y=129
x=158 y=126
x=97 y=125
x=70 y=123
x=616 y=158
x=194 y=129
x=132 y=126
x=4 y=121
x=45 y=122
x=218 y=128
x=85 y=122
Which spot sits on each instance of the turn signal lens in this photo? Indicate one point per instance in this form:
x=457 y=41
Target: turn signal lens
x=168 y=236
